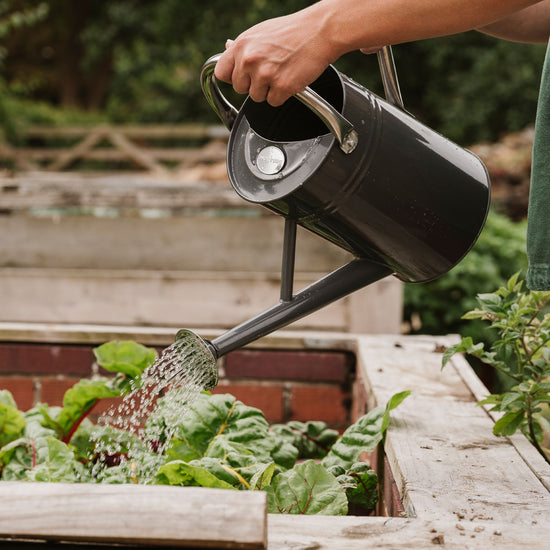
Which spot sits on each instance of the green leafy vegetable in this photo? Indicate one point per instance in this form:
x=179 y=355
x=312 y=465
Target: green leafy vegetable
x=312 y=439
x=128 y=358
x=307 y=489
x=363 y=436
x=219 y=442
x=364 y=492
x=182 y=473
x=214 y=415
x=12 y=423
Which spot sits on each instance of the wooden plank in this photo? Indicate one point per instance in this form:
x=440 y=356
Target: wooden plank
x=444 y=457
x=134 y=514
x=527 y=451
x=159 y=131
x=161 y=336
x=122 y=191
x=356 y=533
x=200 y=299
x=209 y=299
x=74 y=333
x=219 y=240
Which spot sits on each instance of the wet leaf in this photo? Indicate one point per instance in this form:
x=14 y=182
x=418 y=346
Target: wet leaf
x=129 y=358
x=182 y=473
x=307 y=489
x=12 y=423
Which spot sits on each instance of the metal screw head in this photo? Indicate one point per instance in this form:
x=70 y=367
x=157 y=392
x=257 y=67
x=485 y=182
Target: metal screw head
x=270 y=160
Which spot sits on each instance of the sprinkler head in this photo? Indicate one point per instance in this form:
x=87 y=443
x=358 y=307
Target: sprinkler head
x=197 y=357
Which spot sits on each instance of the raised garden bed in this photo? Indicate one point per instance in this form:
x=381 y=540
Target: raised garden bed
x=446 y=478
x=137 y=249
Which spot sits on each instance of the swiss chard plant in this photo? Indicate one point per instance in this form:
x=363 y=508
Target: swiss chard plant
x=521 y=353
x=305 y=467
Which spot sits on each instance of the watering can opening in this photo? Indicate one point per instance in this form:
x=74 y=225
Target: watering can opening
x=293 y=121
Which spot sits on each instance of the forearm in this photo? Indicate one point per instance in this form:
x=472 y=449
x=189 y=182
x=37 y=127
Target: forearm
x=279 y=57
x=356 y=24
x=531 y=24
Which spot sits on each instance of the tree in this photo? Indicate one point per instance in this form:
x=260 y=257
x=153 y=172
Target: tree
x=139 y=61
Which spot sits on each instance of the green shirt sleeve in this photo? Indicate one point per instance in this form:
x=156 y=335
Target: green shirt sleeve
x=538 y=218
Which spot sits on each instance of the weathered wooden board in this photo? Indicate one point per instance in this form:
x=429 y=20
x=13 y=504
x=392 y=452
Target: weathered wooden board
x=133 y=514
x=356 y=533
x=443 y=455
x=216 y=299
x=32 y=190
x=222 y=240
x=132 y=249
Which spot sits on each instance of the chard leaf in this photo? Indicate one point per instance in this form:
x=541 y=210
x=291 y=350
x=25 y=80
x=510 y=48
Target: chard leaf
x=129 y=358
x=237 y=460
x=182 y=473
x=360 y=437
x=395 y=401
x=12 y=423
x=78 y=401
x=363 y=436
x=16 y=458
x=54 y=462
x=36 y=427
x=306 y=489
x=365 y=492
x=213 y=415
x=283 y=453
x=7 y=398
x=263 y=476
x=312 y=439
x=7 y=451
x=43 y=459
x=221 y=447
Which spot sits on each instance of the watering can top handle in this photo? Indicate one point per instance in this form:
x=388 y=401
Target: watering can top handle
x=340 y=127
x=389 y=77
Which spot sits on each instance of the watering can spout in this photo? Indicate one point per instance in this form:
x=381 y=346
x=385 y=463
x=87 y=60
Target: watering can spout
x=351 y=277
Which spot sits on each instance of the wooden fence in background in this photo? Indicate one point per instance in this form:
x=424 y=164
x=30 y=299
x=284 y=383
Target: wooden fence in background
x=159 y=149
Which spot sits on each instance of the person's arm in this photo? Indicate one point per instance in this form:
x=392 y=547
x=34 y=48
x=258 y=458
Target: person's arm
x=531 y=24
x=280 y=57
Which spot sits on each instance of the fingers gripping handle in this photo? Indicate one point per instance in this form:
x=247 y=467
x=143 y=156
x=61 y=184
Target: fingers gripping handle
x=341 y=128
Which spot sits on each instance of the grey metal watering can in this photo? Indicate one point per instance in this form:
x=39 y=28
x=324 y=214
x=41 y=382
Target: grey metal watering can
x=358 y=171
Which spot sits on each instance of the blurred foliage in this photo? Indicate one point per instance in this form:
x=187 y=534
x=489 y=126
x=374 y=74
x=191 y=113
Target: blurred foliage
x=139 y=61
x=12 y=20
x=471 y=87
x=437 y=307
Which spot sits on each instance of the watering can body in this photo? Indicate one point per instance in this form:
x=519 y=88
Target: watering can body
x=405 y=196
x=358 y=171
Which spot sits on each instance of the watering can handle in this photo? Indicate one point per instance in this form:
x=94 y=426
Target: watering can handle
x=389 y=77
x=341 y=128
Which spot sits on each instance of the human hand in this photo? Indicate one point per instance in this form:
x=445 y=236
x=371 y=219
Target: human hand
x=276 y=58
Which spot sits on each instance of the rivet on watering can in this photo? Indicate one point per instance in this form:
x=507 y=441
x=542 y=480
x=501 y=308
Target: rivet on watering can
x=350 y=142
x=270 y=160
